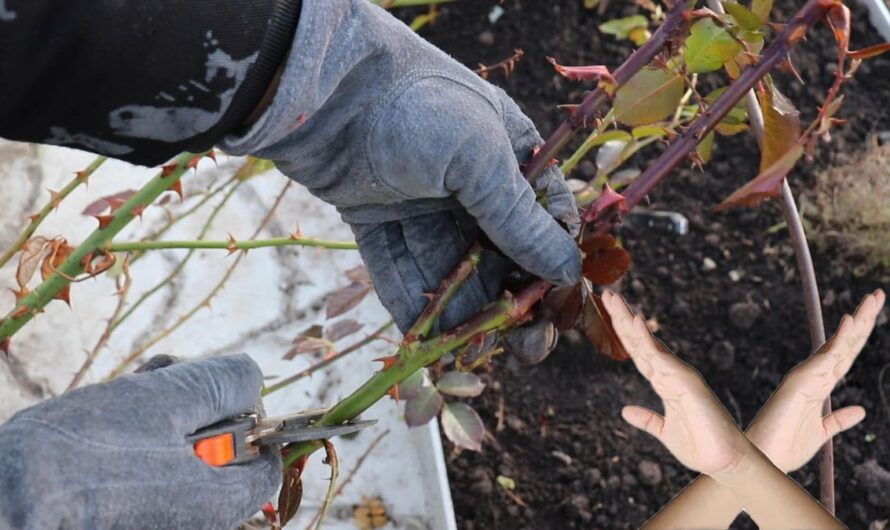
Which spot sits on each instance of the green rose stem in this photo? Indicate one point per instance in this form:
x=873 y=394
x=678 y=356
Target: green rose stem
x=82 y=177
x=33 y=303
x=231 y=245
x=415 y=355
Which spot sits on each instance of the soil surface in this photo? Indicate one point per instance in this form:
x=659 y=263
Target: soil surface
x=726 y=298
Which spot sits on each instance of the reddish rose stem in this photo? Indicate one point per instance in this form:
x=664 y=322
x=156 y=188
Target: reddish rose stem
x=679 y=150
x=594 y=101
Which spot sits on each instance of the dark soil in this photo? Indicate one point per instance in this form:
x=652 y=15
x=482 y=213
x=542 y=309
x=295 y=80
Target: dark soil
x=575 y=462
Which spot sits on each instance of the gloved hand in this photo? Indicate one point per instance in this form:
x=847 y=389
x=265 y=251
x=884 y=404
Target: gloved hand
x=114 y=455
x=416 y=152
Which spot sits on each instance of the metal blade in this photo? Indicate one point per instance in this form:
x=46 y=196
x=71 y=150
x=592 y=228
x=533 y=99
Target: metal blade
x=307 y=433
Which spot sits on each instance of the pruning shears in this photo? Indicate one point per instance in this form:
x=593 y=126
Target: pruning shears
x=238 y=440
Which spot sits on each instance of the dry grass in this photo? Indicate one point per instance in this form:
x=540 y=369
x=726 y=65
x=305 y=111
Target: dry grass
x=849 y=211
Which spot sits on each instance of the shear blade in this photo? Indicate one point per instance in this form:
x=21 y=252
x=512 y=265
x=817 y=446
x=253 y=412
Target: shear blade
x=303 y=434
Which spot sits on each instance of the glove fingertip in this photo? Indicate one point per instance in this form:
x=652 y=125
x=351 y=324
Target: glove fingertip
x=252 y=373
x=564 y=266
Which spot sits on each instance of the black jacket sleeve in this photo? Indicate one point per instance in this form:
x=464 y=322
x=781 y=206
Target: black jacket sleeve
x=139 y=80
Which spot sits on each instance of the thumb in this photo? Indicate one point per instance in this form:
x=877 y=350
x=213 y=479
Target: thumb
x=504 y=205
x=644 y=419
x=841 y=420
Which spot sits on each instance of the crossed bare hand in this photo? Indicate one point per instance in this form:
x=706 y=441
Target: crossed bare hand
x=695 y=427
x=788 y=430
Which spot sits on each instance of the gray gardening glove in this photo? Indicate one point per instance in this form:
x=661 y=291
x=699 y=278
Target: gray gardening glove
x=114 y=455
x=417 y=152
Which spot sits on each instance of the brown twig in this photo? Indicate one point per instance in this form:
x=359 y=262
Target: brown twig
x=360 y=461
x=882 y=393
x=123 y=288
x=507 y=65
x=327 y=362
x=177 y=270
x=816 y=326
x=125 y=363
x=334 y=461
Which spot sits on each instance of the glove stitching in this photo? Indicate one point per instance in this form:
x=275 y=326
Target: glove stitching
x=78 y=438
x=402 y=281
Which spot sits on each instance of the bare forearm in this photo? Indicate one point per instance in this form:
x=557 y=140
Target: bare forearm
x=703 y=505
x=771 y=498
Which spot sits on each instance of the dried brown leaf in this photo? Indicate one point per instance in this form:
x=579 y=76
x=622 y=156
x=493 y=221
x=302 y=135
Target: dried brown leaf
x=359 y=275
x=291 y=494
x=33 y=252
x=767 y=185
x=562 y=306
x=604 y=261
x=346 y=298
x=597 y=326
x=781 y=125
x=342 y=329
x=114 y=202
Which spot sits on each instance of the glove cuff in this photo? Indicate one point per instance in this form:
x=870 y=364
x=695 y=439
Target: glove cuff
x=332 y=38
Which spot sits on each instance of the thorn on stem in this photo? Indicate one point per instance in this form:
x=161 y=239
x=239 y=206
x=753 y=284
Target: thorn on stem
x=55 y=198
x=104 y=220
x=389 y=362
x=233 y=244
x=193 y=162
x=168 y=169
x=64 y=295
x=20 y=294
x=177 y=188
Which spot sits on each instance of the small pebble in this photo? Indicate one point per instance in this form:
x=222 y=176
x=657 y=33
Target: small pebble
x=628 y=480
x=482 y=483
x=592 y=477
x=708 y=264
x=875 y=480
x=515 y=423
x=578 y=507
x=744 y=315
x=486 y=38
x=649 y=472
x=562 y=457
x=722 y=355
